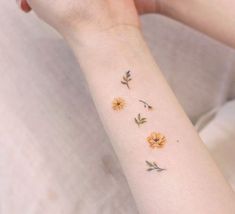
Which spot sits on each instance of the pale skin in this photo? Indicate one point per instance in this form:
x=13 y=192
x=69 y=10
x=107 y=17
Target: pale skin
x=100 y=32
x=212 y=17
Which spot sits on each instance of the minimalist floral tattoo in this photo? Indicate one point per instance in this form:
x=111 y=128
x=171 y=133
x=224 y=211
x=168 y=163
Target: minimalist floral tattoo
x=118 y=104
x=140 y=120
x=126 y=79
x=153 y=166
x=146 y=105
x=156 y=140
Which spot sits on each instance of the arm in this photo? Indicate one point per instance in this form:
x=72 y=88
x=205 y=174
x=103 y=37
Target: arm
x=213 y=17
x=184 y=179
x=191 y=182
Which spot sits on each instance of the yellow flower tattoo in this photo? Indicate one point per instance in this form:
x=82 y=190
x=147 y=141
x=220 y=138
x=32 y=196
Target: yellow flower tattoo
x=118 y=104
x=156 y=140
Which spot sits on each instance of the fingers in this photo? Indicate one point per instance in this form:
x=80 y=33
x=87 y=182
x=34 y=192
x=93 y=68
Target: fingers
x=23 y=4
x=147 y=6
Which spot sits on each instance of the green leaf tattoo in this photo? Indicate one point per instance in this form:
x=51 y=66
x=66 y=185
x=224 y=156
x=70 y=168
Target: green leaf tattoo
x=153 y=166
x=140 y=120
x=126 y=79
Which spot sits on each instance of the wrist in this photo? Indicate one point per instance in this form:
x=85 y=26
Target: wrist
x=101 y=42
x=110 y=48
x=95 y=37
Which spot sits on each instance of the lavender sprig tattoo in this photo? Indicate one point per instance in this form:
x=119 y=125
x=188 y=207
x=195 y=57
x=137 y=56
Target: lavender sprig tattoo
x=126 y=79
x=153 y=166
x=146 y=105
x=140 y=120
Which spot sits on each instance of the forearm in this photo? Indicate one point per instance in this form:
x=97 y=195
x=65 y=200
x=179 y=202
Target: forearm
x=190 y=183
x=213 y=17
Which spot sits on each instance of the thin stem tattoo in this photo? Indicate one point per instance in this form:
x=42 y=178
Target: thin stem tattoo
x=146 y=105
x=140 y=120
x=153 y=166
x=126 y=79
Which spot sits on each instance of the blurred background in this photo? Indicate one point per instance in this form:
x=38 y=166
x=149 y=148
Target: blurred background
x=54 y=154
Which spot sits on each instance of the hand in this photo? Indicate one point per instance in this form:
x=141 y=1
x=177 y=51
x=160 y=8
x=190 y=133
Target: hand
x=143 y=6
x=82 y=16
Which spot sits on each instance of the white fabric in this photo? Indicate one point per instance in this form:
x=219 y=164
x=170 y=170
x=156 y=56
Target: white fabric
x=219 y=137
x=55 y=157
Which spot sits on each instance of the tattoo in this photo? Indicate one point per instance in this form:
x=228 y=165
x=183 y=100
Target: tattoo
x=126 y=79
x=153 y=166
x=156 y=140
x=146 y=105
x=140 y=120
x=118 y=104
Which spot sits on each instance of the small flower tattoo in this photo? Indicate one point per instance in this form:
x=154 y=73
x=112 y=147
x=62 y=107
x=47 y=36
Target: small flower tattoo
x=156 y=140
x=140 y=120
x=146 y=105
x=118 y=104
x=153 y=166
x=126 y=79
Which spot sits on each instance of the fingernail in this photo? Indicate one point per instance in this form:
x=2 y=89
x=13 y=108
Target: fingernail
x=25 y=7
